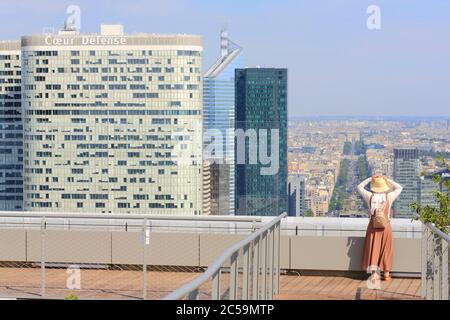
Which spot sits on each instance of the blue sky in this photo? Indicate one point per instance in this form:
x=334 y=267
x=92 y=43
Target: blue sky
x=336 y=65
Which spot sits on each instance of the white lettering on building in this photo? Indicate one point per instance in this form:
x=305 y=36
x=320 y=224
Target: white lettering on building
x=85 y=40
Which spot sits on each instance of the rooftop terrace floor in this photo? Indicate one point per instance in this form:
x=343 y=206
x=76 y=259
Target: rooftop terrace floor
x=346 y=288
x=127 y=284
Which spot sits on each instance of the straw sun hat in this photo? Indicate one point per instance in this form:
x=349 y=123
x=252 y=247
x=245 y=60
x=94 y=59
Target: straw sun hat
x=379 y=184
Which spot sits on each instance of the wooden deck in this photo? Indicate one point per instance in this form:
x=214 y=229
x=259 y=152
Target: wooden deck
x=128 y=284
x=94 y=283
x=345 y=288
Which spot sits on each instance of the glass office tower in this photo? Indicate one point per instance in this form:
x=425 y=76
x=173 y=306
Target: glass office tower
x=219 y=99
x=11 y=145
x=261 y=107
x=406 y=173
x=113 y=122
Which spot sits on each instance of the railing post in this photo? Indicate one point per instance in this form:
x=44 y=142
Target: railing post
x=216 y=286
x=233 y=276
x=43 y=227
x=277 y=257
x=245 y=272
x=430 y=263
x=424 y=260
x=445 y=293
x=145 y=239
x=255 y=273
x=270 y=261
x=193 y=294
x=437 y=263
x=263 y=294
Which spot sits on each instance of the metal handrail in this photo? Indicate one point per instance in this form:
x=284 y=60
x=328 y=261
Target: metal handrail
x=215 y=267
x=74 y=215
x=439 y=232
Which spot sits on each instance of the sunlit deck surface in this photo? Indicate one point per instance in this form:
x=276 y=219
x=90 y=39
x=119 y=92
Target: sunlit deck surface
x=127 y=284
x=346 y=288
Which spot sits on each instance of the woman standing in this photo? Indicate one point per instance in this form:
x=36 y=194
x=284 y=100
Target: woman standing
x=378 y=246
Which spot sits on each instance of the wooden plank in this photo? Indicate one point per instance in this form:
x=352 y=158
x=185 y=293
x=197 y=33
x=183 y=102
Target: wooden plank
x=395 y=284
x=415 y=288
x=332 y=285
x=403 y=289
x=291 y=282
x=302 y=282
x=351 y=288
x=313 y=285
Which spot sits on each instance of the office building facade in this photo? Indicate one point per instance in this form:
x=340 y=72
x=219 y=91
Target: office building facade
x=428 y=187
x=11 y=144
x=112 y=122
x=261 y=111
x=219 y=108
x=407 y=174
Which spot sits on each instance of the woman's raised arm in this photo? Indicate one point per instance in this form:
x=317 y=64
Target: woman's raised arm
x=362 y=191
x=397 y=189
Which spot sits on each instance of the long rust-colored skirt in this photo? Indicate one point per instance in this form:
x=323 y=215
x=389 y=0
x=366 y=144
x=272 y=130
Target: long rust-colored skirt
x=378 y=248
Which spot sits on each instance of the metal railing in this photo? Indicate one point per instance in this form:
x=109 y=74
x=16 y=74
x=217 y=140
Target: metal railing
x=259 y=256
x=45 y=272
x=435 y=267
x=113 y=216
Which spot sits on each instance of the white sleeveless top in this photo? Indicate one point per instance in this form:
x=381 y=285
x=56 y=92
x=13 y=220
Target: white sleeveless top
x=391 y=195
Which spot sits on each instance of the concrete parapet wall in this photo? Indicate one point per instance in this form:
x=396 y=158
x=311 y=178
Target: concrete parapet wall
x=334 y=253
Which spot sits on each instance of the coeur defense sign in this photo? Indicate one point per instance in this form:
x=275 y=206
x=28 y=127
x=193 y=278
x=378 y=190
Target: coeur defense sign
x=85 y=40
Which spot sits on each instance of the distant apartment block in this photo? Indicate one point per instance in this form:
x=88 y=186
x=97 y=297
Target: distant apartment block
x=112 y=122
x=219 y=117
x=406 y=173
x=261 y=105
x=11 y=144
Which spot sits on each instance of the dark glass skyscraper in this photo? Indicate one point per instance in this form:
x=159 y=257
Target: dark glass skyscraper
x=296 y=196
x=11 y=150
x=261 y=121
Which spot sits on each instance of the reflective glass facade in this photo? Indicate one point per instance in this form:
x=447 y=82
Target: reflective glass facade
x=113 y=124
x=11 y=145
x=219 y=108
x=261 y=103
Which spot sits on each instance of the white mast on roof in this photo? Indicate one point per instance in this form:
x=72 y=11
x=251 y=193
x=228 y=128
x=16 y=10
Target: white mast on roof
x=224 y=42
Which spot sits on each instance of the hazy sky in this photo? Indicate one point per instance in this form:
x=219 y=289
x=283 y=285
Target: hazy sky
x=336 y=65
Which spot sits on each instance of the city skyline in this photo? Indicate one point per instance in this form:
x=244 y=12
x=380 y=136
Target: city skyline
x=333 y=156
x=329 y=193
x=337 y=66
x=232 y=150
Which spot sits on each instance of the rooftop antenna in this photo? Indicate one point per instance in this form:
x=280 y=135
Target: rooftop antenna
x=69 y=28
x=224 y=42
x=226 y=45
